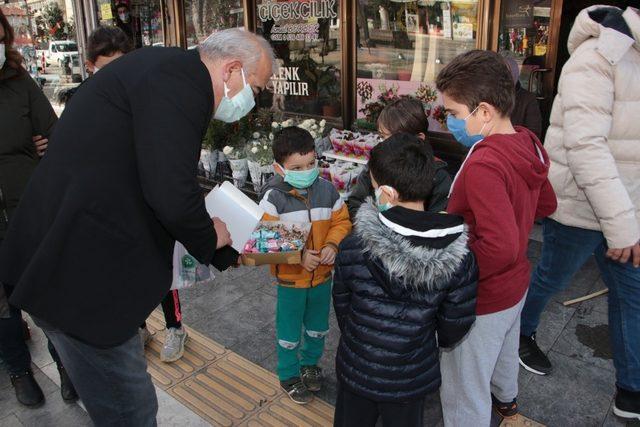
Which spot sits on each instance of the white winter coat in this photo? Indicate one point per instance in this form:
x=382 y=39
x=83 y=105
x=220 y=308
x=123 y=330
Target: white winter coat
x=594 y=138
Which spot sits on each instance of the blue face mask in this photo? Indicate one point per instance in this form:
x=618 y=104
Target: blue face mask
x=382 y=207
x=458 y=128
x=301 y=179
x=233 y=109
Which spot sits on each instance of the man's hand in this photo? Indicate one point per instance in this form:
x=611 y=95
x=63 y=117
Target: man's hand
x=41 y=144
x=310 y=260
x=224 y=238
x=623 y=255
x=328 y=255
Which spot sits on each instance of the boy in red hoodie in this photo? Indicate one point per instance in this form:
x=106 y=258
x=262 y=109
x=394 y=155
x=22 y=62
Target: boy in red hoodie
x=501 y=188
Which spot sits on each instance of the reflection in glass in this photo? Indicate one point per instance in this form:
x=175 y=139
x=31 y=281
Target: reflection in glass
x=308 y=46
x=204 y=17
x=403 y=44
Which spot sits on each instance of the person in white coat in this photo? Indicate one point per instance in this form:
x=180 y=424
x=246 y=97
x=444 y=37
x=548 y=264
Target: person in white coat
x=594 y=146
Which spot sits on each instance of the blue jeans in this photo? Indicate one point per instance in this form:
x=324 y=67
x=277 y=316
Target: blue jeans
x=564 y=251
x=113 y=383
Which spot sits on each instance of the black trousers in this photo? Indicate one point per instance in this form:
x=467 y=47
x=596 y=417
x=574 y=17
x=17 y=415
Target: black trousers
x=353 y=410
x=14 y=352
x=172 y=310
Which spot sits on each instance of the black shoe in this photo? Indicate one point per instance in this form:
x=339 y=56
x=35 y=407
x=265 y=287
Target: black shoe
x=532 y=358
x=311 y=377
x=505 y=409
x=28 y=392
x=627 y=404
x=67 y=390
x=297 y=391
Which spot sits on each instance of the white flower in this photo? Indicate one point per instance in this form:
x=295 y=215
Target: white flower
x=265 y=147
x=256 y=135
x=254 y=150
x=271 y=136
x=227 y=150
x=314 y=127
x=287 y=123
x=323 y=122
x=274 y=125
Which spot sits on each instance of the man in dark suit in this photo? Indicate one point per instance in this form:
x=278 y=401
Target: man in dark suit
x=89 y=249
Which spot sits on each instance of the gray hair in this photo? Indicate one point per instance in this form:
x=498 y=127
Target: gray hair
x=238 y=44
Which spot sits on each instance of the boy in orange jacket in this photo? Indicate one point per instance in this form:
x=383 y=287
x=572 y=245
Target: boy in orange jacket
x=297 y=194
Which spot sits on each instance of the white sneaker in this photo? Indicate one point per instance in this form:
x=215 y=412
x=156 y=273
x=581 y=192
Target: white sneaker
x=173 y=348
x=145 y=336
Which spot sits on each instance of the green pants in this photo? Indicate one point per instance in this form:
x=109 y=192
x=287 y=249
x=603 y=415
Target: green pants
x=298 y=308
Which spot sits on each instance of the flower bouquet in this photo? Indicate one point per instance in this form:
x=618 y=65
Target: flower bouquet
x=260 y=158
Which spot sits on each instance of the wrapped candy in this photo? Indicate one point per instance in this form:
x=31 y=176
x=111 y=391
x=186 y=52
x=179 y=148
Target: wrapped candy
x=276 y=237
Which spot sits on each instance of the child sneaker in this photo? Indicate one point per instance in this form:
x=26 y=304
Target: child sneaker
x=505 y=409
x=311 y=377
x=297 y=391
x=173 y=348
x=627 y=404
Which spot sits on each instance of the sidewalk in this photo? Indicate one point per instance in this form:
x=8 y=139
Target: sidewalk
x=237 y=311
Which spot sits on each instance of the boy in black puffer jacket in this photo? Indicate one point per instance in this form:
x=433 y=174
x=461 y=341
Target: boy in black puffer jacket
x=405 y=285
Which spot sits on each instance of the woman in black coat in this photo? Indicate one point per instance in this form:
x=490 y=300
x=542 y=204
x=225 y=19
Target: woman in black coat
x=26 y=121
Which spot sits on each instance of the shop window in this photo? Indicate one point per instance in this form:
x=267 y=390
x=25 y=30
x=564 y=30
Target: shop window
x=305 y=35
x=141 y=20
x=203 y=17
x=403 y=44
x=524 y=34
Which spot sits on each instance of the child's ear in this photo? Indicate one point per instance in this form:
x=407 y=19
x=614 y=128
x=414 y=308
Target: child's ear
x=278 y=169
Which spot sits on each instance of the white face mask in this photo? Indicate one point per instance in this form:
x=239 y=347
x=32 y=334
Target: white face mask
x=233 y=109
x=3 y=55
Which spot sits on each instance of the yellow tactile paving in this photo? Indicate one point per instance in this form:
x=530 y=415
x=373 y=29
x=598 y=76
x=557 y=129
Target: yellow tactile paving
x=228 y=390
x=199 y=353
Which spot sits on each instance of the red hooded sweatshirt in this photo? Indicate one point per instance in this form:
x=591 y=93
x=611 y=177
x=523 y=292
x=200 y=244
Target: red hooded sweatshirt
x=500 y=190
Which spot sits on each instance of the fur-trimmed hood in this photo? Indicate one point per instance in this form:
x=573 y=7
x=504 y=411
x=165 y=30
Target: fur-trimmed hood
x=415 y=266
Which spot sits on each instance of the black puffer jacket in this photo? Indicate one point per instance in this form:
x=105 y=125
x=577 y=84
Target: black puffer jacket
x=392 y=295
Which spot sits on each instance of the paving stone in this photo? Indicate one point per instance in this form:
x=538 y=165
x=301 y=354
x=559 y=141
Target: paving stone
x=586 y=338
x=10 y=421
x=238 y=320
x=576 y=394
x=553 y=321
x=173 y=413
x=258 y=346
x=599 y=304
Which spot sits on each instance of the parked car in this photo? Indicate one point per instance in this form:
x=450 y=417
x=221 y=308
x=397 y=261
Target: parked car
x=60 y=50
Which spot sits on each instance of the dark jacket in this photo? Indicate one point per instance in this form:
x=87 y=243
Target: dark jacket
x=392 y=294
x=24 y=112
x=437 y=202
x=526 y=111
x=89 y=249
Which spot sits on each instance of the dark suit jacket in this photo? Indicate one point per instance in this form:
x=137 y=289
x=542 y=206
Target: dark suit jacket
x=89 y=249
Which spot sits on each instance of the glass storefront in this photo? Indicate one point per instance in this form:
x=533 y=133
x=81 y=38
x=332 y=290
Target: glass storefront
x=307 y=40
x=524 y=34
x=403 y=44
x=141 y=20
x=337 y=67
x=203 y=17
